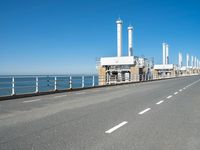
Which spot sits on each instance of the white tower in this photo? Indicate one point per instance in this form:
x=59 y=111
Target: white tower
x=187 y=60
x=180 y=60
x=192 y=61
x=164 y=54
x=198 y=64
x=167 y=54
x=195 y=62
x=119 y=37
x=130 y=41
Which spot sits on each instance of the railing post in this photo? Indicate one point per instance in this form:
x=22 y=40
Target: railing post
x=13 y=86
x=83 y=81
x=93 y=81
x=70 y=82
x=55 y=83
x=36 y=85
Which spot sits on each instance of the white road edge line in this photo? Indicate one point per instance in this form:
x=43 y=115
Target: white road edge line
x=170 y=96
x=79 y=93
x=175 y=93
x=60 y=96
x=142 y=112
x=116 y=127
x=29 y=101
x=159 y=102
x=96 y=90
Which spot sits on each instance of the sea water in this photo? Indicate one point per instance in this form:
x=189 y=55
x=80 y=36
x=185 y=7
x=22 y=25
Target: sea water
x=27 y=84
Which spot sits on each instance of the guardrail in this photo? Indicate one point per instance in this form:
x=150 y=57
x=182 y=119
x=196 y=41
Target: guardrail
x=132 y=78
x=12 y=86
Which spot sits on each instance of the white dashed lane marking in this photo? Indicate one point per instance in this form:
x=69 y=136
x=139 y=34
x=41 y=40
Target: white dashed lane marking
x=175 y=93
x=144 y=111
x=116 y=127
x=159 y=102
x=170 y=96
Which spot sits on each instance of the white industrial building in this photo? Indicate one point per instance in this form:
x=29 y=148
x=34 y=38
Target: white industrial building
x=123 y=68
x=191 y=67
x=165 y=69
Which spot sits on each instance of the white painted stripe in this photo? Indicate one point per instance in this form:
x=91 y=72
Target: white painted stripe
x=96 y=90
x=184 y=88
x=170 y=96
x=175 y=93
x=79 y=93
x=116 y=127
x=193 y=83
x=60 y=96
x=180 y=90
x=159 y=102
x=29 y=101
x=142 y=112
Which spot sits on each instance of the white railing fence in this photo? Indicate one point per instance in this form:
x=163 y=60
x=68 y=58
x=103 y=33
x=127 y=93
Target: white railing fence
x=36 y=84
x=10 y=86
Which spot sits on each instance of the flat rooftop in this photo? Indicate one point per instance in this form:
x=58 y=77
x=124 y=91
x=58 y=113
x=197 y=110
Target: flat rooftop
x=124 y=60
x=162 y=67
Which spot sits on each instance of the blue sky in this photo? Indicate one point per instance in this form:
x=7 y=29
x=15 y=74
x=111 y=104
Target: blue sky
x=66 y=36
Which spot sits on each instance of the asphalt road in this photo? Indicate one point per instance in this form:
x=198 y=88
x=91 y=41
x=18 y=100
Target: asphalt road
x=159 y=115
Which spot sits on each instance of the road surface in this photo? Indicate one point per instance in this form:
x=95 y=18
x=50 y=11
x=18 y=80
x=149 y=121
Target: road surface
x=159 y=115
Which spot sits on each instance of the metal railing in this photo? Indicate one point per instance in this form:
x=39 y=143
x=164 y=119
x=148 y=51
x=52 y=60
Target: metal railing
x=10 y=86
x=36 y=84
